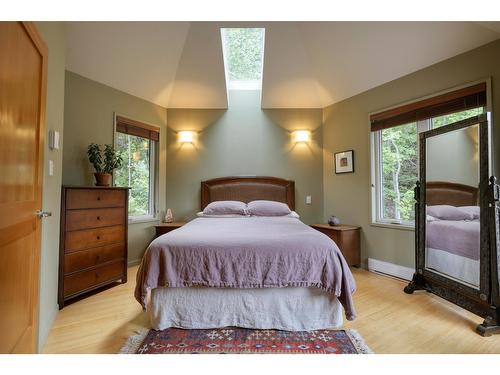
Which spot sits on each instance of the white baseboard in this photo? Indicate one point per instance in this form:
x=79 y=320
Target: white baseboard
x=390 y=269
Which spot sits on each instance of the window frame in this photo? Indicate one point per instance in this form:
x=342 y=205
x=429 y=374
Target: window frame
x=153 y=174
x=376 y=198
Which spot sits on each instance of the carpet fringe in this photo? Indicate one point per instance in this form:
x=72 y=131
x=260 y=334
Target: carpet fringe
x=358 y=342
x=134 y=342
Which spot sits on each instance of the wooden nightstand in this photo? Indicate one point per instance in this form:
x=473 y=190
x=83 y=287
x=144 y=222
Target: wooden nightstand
x=347 y=239
x=167 y=227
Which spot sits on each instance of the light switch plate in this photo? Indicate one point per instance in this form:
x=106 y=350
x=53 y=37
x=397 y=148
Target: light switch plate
x=308 y=199
x=53 y=140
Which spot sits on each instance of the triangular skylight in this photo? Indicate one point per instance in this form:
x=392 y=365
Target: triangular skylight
x=243 y=50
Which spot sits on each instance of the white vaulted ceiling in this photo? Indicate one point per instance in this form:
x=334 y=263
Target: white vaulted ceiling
x=200 y=80
x=306 y=64
x=139 y=58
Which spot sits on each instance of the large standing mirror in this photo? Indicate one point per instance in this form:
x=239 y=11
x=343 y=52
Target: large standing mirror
x=457 y=220
x=452 y=220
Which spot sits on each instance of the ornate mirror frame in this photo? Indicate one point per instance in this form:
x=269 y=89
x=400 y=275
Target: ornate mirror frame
x=484 y=301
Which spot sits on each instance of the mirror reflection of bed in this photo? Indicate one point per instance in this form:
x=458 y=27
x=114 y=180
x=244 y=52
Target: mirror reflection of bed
x=452 y=212
x=452 y=231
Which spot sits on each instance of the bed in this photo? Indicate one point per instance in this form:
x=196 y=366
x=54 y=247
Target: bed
x=453 y=241
x=247 y=271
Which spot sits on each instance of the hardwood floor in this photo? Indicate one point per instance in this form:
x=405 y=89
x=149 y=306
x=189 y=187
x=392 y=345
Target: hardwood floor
x=389 y=320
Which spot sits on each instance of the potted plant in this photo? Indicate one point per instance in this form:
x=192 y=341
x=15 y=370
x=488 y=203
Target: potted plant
x=103 y=166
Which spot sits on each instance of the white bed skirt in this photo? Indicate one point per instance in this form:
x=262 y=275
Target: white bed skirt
x=456 y=266
x=289 y=309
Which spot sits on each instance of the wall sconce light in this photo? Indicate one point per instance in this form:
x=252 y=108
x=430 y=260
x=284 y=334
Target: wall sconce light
x=301 y=136
x=187 y=136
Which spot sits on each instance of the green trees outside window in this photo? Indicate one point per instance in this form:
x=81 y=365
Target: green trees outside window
x=135 y=172
x=454 y=117
x=399 y=171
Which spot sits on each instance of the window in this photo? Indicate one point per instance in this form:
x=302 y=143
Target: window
x=395 y=151
x=243 y=50
x=137 y=143
x=399 y=171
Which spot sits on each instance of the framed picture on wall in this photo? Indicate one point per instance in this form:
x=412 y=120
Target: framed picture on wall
x=344 y=162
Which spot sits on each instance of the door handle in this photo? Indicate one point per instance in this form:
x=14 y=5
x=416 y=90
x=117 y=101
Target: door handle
x=41 y=214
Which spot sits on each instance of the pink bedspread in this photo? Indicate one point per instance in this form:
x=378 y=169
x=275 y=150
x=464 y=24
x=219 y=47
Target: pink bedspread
x=247 y=252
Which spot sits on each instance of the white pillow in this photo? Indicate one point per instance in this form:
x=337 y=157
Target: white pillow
x=268 y=208
x=201 y=214
x=293 y=214
x=226 y=208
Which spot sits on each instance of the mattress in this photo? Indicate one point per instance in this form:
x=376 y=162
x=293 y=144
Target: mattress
x=460 y=268
x=290 y=309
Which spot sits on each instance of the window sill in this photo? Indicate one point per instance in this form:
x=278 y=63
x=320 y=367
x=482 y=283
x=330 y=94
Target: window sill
x=142 y=219
x=394 y=226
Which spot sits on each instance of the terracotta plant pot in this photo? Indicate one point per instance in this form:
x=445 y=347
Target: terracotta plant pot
x=102 y=179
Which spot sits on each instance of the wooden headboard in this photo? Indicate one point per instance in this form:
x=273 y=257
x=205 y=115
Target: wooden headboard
x=248 y=188
x=440 y=192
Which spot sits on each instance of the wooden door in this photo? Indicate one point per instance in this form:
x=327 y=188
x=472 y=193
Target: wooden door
x=23 y=66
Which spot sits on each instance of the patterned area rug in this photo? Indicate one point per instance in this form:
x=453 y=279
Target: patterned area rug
x=242 y=340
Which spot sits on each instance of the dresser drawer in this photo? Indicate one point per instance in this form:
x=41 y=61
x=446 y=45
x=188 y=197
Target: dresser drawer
x=84 y=280
x=92 y=257
x=94 y=198
x=83 y=239
x=94 y=218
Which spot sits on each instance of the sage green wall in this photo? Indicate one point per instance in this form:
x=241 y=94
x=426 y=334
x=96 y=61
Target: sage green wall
x=346 y=126
x=53 y=33
x=88 y=117
x=243 y=140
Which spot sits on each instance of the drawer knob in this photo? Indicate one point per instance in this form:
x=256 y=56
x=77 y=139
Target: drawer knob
x=98 y=237
x=98 y=218
x=98 y=198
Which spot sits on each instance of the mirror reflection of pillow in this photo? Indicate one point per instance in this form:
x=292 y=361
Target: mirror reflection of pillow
x=430 y=218
x=474 y=211
x=446 y=212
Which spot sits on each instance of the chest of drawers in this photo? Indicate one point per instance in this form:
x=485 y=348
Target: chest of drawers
x=93 y=243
